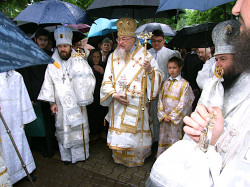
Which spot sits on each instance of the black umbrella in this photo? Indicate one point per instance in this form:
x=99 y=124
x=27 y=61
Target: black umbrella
x=138 y=9
x=193 y=36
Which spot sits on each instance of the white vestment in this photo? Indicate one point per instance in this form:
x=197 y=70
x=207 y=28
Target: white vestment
x=4 y=176
x=71 y=86
x=163 y=55
x=129 y=136
x=206 y=72
x=17 y=110
x=228 y=161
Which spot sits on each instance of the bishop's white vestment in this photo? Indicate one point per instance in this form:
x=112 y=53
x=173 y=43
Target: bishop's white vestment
x=17 y=110
x=71 y=86
x=129 y=136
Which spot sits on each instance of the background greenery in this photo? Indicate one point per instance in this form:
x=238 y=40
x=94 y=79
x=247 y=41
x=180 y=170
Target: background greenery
x=12 y=8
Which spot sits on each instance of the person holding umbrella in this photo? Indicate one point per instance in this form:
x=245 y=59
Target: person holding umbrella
x=68 y=86
x=131 y=79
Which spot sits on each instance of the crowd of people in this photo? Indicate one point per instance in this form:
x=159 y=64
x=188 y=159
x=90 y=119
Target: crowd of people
x=133 y=99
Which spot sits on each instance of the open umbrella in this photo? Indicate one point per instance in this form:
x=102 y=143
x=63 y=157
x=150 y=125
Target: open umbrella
x=138 y=9
x=102 y=26
x=150 y=27
x=81 y=27
x=193 y=36
x=201 y=5
x=17 y=50
x=53 y=11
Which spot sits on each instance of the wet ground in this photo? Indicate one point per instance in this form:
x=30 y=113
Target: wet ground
x=98 y=170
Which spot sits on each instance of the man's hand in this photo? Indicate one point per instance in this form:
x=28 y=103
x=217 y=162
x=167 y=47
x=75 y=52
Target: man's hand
x=121 y=99
x=200 y=119
x=54 y=108
x=147 y=66
x=167 y=119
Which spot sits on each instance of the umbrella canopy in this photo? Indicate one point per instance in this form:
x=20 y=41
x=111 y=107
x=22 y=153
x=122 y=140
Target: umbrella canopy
x=102 y=26
x=150 y=27
x=17 y=50
x=53 y=11
x=81 y=27
x=138 y=9
x=193 y=36
x=201 y=5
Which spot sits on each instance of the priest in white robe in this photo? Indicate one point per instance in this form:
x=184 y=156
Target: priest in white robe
x=69 y=85
x=130 y=81
x=17 y=110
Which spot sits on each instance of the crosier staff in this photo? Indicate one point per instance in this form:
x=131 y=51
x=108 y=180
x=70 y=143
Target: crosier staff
x=146 y=37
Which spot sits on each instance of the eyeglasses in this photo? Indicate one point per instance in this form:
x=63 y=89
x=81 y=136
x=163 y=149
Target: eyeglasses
x=122 y=39
x=156 y=41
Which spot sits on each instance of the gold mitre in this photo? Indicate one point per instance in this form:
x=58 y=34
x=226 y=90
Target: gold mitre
x=126 y=26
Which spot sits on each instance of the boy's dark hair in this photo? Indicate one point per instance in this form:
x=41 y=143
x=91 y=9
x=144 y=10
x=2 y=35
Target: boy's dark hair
x=176 y=60
x=158 y=33
x=41 y=32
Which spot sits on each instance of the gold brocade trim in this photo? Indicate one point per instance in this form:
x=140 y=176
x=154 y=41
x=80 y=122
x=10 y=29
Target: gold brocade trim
x=128 y=149
x=130 y=114
x=179 y=113
x=162 y=88
x=131 y=164
x=110 y=93
x=160 y=108
x=121 y=131
x=3 y=172
x=170 y=85
x=164 y=145
x=163 y=118
x=133 y=106
x=106 y=82
x=182 y=88
x=112 y=63
x=113 y=114
x=173 y=121
x=128 y=128
x=171 y=97
x=124 y=153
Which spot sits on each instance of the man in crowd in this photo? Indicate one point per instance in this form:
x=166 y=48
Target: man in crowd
x=68 y=86
x=17 y=110
x=161 y=55
x=204 y=54
x=129 y=82
x=41 y=130
x=231 y=132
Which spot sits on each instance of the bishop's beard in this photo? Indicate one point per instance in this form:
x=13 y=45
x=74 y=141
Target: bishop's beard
x=242 y=51
x=121 y=53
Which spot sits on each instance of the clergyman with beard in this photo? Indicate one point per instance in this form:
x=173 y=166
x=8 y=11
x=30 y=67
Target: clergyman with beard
x=227 y=158
x=231 y=134
x=69 y=85
x=130 y=81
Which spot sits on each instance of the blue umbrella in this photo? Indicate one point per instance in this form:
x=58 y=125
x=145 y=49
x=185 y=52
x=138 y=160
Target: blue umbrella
x=201 y=5
x=102 y=26
x=53 y=11
x=17 y=50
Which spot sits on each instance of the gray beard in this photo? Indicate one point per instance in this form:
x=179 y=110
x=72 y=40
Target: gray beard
x=121 y=53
